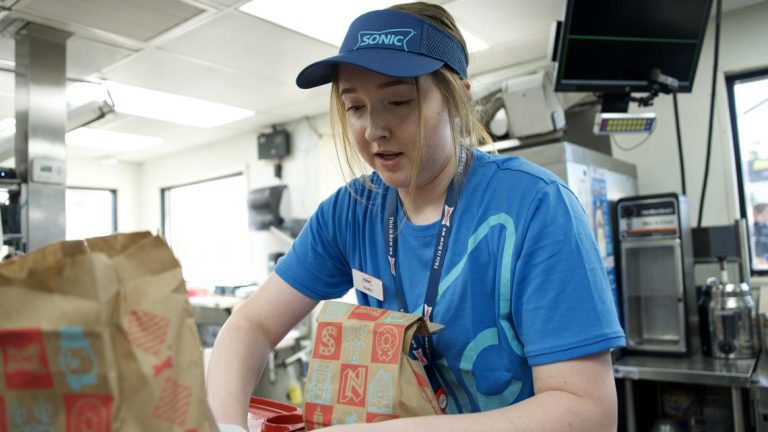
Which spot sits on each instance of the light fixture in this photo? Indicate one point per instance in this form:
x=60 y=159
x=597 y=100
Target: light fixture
x=613 y=123
x=108 y=140
x=327 y=20
x=173 y=108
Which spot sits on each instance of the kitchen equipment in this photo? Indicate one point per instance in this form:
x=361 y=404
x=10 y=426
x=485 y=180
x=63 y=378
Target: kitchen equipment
x=656 y=256
x=720 y=244
x=732 y=319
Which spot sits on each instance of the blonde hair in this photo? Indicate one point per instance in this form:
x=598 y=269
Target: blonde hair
x=465 y=127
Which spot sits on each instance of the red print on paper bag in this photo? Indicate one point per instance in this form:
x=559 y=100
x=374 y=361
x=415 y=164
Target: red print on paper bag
x=387 y=343
x=317 y=414
x=327 y=341
x=147 y=331
x=88 y=413
x=173 y=402
x=364 y=313
x=3 y=418
x=25 y=362
x=353 y=382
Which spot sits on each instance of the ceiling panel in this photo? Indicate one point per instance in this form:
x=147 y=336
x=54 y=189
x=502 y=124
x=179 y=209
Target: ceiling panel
x=225 y=3
x=159 y=70
x=139 y=20
x=87 y=57
x=497 y=21
x=314 y=101
x=239 y=41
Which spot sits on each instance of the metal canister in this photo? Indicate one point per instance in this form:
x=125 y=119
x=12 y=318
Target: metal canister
x=732 y=321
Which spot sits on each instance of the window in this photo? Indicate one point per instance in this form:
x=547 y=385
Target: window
x=90 y=212
x=206 y=225
x=748 y=99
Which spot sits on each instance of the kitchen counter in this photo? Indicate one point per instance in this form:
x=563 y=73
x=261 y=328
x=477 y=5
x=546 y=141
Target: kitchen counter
x=694 y=369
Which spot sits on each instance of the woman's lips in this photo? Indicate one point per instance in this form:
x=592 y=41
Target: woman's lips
x=388 y=160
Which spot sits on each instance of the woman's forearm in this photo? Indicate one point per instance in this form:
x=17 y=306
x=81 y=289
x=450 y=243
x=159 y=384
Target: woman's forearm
x=544 y=412
x=237 y=360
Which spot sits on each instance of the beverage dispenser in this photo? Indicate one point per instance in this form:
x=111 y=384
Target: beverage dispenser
x=658 y=293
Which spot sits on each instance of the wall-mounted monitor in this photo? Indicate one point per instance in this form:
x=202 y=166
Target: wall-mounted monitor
x=274 y=145
x=611 y=46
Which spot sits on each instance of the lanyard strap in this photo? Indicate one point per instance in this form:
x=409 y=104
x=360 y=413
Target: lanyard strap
x=441 y=244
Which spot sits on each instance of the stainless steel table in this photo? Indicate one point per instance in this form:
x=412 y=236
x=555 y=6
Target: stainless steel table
x=694 y=369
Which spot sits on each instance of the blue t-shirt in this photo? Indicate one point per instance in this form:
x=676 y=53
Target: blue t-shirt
x=522 y=282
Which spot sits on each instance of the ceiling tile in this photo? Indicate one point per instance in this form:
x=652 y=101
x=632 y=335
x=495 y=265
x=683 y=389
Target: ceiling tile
x=501 y=21
x=139 y=20
x=86 y=57
x=159 y=70
x=226 y=3
x=242 y=42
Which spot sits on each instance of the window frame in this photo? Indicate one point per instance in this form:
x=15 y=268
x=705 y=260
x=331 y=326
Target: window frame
x=731 y=80
x=166 y=215
x=114 y=201
x=165 y=196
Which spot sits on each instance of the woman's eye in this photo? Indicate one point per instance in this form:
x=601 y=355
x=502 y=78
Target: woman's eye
x=403 y=102
x=352 y=108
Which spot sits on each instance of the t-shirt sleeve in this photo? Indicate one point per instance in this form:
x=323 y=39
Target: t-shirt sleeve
x=562 y=303
x=316 y=264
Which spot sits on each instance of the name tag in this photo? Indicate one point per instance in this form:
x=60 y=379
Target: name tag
x=368 y=284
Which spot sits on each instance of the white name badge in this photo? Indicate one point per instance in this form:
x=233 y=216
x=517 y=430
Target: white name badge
x=368 y=284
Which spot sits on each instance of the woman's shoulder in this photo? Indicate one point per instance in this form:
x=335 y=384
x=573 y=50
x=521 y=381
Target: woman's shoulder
x=513 y=169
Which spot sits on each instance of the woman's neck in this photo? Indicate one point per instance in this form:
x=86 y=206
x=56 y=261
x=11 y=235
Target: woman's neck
x=426 y=205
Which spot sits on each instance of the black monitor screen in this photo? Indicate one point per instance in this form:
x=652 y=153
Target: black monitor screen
x=612 y=45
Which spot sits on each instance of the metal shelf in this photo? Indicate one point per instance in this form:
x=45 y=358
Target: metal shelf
x=694 y=369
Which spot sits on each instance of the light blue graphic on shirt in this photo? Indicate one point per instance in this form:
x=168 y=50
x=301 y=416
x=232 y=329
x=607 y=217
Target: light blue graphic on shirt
x=490 y=336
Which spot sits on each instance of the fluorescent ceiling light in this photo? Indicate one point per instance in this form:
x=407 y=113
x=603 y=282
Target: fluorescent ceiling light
x=108 y=140
x=173 y=108
x=326 y=20
x=82 y=92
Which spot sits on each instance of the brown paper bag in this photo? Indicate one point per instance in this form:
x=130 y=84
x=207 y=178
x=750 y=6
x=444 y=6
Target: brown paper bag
x=360 y=370
x=98 y=335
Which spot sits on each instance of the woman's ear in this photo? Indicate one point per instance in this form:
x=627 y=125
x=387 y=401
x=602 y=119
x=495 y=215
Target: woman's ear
x=467 y=84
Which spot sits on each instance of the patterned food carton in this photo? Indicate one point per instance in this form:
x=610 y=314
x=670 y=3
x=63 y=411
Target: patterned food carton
x=360 y=370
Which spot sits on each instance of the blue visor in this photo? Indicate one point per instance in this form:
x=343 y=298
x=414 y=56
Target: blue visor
x=393 y=43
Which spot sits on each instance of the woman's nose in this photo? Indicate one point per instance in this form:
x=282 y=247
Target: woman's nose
x=377 y=127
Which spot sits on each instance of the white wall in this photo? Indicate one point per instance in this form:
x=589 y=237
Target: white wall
x=742 y=47
x=123 y=177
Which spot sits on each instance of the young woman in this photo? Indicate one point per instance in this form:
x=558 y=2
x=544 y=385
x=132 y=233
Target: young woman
x=494 y=247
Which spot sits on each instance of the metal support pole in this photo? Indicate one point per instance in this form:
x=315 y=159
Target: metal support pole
x=738 y=409
x=629 y=406
x=41 y=117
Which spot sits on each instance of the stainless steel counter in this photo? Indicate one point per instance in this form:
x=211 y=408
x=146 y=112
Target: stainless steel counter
x=695 y=369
